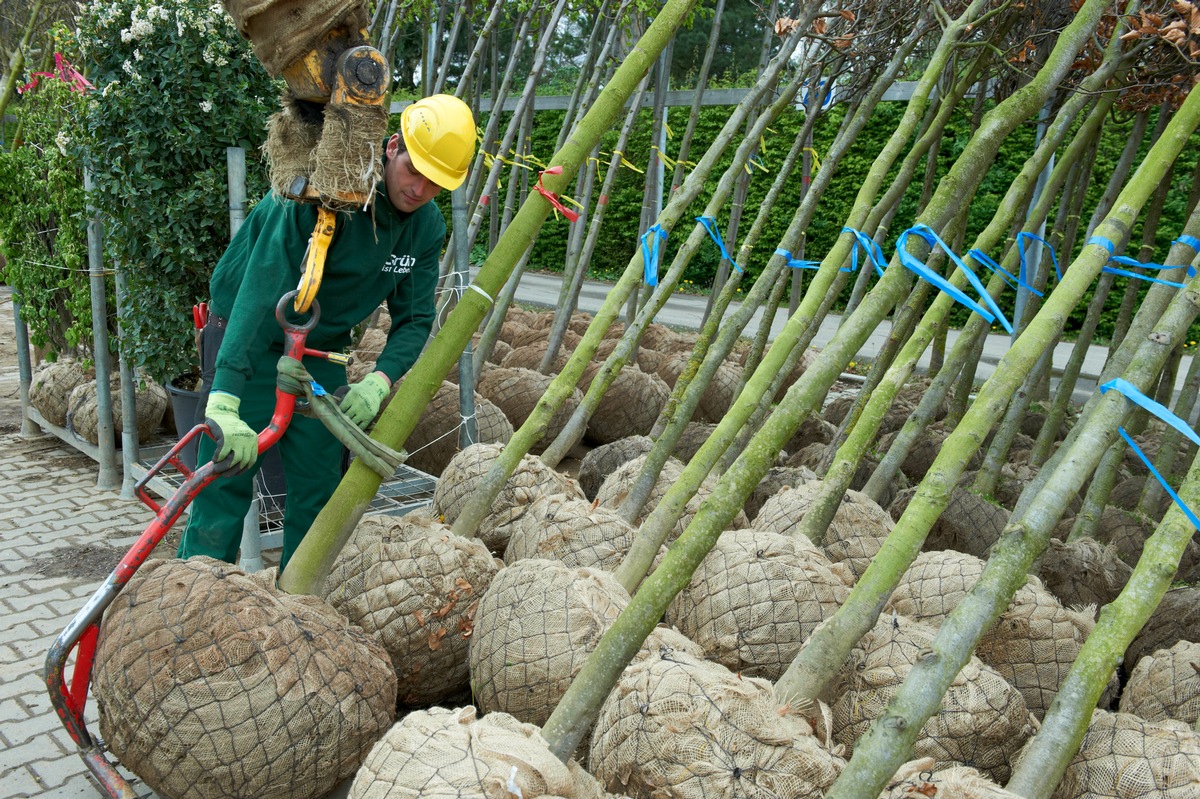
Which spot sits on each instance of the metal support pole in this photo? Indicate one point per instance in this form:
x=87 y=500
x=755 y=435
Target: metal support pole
x=28 y=428
x=107 y=477
x=251 y=556
x=235 y=159
x=468 y=431
x=130 y=446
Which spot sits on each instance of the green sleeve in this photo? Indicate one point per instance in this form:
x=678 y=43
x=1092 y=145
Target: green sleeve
x=247 y=288
x=412 y=307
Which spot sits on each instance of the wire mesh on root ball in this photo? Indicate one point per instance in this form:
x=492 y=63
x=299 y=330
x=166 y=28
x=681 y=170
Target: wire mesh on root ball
x=629 y=406
x=452 y=753
x=982 y=721
x=1165 y=685
x=574 y=531
x=517 y=391
x=434 y=441
x=918 y=779
x=415 y=586
x=51 y=387
x=212 y=683
x=680 y=726
x=755 y=598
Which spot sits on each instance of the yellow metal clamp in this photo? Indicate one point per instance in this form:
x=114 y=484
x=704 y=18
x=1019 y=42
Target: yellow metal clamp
x=314 y=259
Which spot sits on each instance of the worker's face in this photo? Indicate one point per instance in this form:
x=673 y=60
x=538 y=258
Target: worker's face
x=407 y=188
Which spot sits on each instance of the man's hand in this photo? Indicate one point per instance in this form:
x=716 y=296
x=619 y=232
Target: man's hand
x=235 y=439
x=362 y=401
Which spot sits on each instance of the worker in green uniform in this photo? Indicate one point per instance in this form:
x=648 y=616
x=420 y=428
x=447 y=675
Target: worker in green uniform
x=387 y=252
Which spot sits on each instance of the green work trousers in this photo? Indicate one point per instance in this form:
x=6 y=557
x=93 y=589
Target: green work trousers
x=312 y=466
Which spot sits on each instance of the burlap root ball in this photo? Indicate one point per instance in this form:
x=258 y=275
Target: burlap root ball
x=531 y=479
x=452 y=753
x=573 y=531
x=1165 y=685
x=603 y=460
x=1082 y=572
x=617 y=485
x=813 y=430
x=1125 y=757
x=1128 y=531
x=529 y=356
x=150 y=402
x=415 y=586
x=775 y=480
x=659 y=338
x=857 y=516
x=1032 y=645
x=1177 y=618
x=365 y=353
x=917 y=779
x=982 y=721
x=628 y=408
x=212 y=683
x=969 y=523
x=691 y=439
x=535 y=627
x=52 y=385
x=718 y=391
x=680 y=726
x=434 y=440
x=755 y=598
x=517 y=391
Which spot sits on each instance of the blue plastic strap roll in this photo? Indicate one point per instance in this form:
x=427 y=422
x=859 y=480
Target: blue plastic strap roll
x=991 y=313
x=866 y=244
x=1012 y=280
x=1127 y=261
x=650 y=253
x=1135 y=396
x=710 y=225
x=1021 y=239
x=797 y=263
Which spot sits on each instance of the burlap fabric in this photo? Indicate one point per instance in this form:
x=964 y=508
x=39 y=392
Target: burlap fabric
x=1128 y=531
x=857 y=515
x=535 y=626
x=572 y=531
x=500 y=350
x=659 y=338
x=1177 y=618
x=451 y=753
x=530 y=480
x=605 y=459
x=918 y=780
x=52 y=385
x=628 y=408
x=539 y=335
x=813 y=430
x=679 y=726
x=1124 y=757
x=513 y=328
x=982 y=721
x=1082 y=572
x=775 y=480
x=691 y=439
x=529 y=356
x=813 y=455
x=283 y=31
x=211 y=683
x=755 y=598
x=348 y=159
x=517 y=391
x=434 y=440
x=1165 y=685
x=1032 y=645
x=415 y=586
x=617 y=485
x=515 y=313
x=718 y=392
x=969 y=523
x=366 y=351
x=150 y=402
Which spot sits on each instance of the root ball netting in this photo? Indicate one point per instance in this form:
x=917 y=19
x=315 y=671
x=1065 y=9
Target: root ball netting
x=628 y=408
x=775 y=480
x=1177 y=618
x=857 y=515
x=755 y=598
x=918 y=780
x=517 y=391
x=212 y=683
x=693 y=437
x=529 y=481
x=680 y=726
x=969 y=523
x=572 y=531
x=602 y=461
x=415 y=586
x=1128 y=532
x=616 y=488
x=982 y=721
x=451 y=753
x=529 y=356
x=1165 y=685
x=1032 y=645
x=83 y=413
x=291 y=141
x=535 y=627
x=52 y=385
x=434 y=441
x=1125 y=757
x=1082 y=572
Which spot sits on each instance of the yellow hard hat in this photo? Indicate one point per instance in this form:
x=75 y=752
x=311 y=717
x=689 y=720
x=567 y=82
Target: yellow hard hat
x=439 y=132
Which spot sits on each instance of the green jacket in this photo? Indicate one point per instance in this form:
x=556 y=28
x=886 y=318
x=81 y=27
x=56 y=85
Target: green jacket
x=376 y=255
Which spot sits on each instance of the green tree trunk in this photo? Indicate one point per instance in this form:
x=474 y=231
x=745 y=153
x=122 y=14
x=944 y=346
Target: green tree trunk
x=333 y=526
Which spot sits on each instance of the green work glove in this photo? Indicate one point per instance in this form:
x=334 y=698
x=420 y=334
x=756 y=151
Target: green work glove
x=235 y=439
x=362 y=401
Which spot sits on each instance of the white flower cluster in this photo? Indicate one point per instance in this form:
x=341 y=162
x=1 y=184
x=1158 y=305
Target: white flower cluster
x=62 y=140
x=206 y=106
